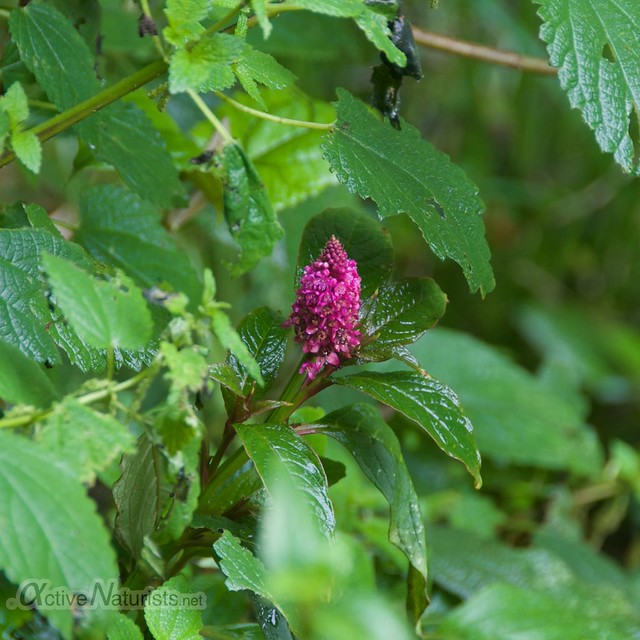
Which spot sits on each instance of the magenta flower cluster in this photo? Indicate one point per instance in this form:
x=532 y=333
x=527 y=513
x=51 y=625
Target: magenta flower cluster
x=325 y=313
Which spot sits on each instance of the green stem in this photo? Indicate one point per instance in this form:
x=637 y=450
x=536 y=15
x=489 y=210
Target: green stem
x=220 y=24
x=66 y=119
x=156 y=40
x=89 y=398
x=210 y=116
x=279 y=119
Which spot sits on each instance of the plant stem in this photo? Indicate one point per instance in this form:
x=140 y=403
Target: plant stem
x=480 y=52
x=268 y=116
x=220 y=24
x=89 y=398
x=156 y=39
x=72 y=116
x=209 y=115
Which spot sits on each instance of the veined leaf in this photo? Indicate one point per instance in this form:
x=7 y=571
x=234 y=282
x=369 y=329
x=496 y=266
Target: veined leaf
x=363 y=239
x=168 y=621
x=119 y=228
x=120 y=134
x=25 y=317
x=137 y=496
x=103 y=314
x=258 y=67
x=89 y=441
x=376 y=449
x=243 y=570
x=55 y=532
x=404 y=174
x=431 y=404
x=27 y=149
x=402 y=311
x=205 y=66
x=596 y=46
x=266 y=339
x=288 y=159
x=23 y=381
x=123 y=628
x=252 y=222
x=276 y=449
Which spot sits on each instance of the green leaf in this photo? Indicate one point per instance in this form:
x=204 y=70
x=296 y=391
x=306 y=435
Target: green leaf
x=104 y=314
x=376 y=449
x=205 y=66
x=89 y=441
x=123 y=136
x=120 y=134
x=119 y=228
x=55 y=533
x=288 y=159
x=516 y=417
x=225 y=375
x=404 y=174
x=505 y=611
x=230 y=340
x=275 y=450
x=25 y=317
x=463 y=563
x=260 y=11
x=243 y=570
x=266 y=339
x=187 y=367
x=403 y=311
x=184 y=19
x=15 y=104
x=247 y=209
x=123 y=628
x=27 y=149
x=23 y=381
x=363 y=239
x=137 y=496
x=431 y=404
x=256 y=66
x=596 y=46
x=169 y=621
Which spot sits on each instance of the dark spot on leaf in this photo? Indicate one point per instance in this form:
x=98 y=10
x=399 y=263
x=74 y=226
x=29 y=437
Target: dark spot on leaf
x=432 y=202
x=607 y=53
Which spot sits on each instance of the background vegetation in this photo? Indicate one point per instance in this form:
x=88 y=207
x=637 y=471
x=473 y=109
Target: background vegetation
x=546 y=366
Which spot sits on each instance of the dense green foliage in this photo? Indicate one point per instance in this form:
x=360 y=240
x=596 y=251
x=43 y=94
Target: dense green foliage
x=168 y=169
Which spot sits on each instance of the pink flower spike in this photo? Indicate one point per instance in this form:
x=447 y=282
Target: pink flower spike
x=325 y=313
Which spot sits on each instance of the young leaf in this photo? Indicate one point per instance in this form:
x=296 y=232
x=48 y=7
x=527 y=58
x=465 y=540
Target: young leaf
x=23 y=381
x=266 y=339
x=89 y=441
x=120 y=134
x=247 y=209
x=276 y=449
x=119 y=228
x=168 y=621
x=260 y=11
x=402 y=311
x=123 y=628
x=184 y=18
x=205 y=66
x=405 y=174
x=288 y=159
x=27 y=149
x=596 y=46
x=256 y=66
x=376 y=449
x=364 y=240
x=56 y=534
x=103 y=314
x=230 y=340
x=137 y=496
x=25 y=316
x=15 y=104
x=429 y=403
x=243 y=570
